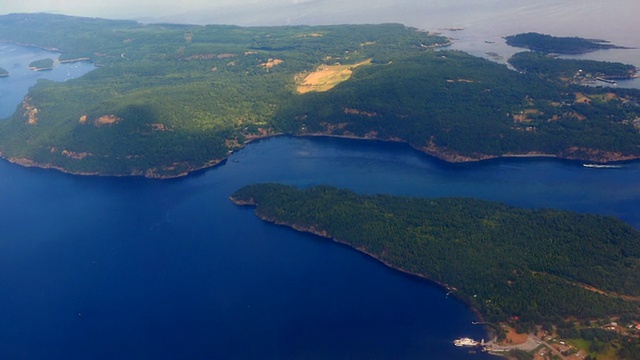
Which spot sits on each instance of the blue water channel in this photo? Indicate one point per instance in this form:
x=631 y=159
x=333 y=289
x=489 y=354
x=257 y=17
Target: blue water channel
x=105 y=268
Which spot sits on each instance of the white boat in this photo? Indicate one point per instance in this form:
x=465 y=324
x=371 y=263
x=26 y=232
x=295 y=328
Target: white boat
x=465 y=342
x=602 y=166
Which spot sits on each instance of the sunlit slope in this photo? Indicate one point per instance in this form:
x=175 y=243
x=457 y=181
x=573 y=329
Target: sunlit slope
x=168 y=99
x=462 y=108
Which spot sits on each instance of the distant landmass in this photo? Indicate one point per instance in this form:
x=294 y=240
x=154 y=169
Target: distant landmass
x=3 y=72
x=518 y=266
x=558 y=45
x=570 y=71
x=168 y=99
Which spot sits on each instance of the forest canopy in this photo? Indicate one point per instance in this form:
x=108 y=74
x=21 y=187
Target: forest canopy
x=537 y=265
x=167 y=99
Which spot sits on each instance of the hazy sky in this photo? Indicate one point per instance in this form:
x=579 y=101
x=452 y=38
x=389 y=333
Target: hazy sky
x=267 y=12
x=136 y=8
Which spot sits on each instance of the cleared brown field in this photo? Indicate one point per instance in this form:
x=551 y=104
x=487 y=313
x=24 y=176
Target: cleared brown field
x=326 y=77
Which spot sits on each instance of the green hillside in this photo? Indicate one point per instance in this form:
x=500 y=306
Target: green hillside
x=513 y=265
x=168 y=99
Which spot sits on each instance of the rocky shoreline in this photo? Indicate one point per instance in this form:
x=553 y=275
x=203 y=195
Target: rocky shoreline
x=595 y=156
x=151 y=173
x=322 y=233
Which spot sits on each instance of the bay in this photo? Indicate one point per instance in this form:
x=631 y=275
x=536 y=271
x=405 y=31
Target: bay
x=108 y=268
x=16 y=59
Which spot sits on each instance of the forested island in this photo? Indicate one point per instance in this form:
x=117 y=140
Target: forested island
x=3 y=72
x=168 y=99
x=558 y=45
x=564 y=271
x=41 y=65
x=569 y=70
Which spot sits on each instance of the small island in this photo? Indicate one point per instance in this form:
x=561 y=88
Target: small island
x=558 y=45
x=41 y=65
x=529 y=270
x=3 y=72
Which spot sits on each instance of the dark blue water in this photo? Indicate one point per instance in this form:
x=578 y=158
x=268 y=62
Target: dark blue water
x=106 y=268
x=113 y=268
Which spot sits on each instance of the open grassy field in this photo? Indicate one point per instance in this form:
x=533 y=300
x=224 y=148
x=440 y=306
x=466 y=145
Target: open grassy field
x=326 y=77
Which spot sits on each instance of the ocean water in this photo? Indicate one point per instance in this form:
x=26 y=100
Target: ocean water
x=132 y=268
x=105 y=268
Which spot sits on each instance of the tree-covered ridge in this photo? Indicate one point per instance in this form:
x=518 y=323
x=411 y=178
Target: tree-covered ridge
x=538 y=265
x=179 y=97
x=168 y=99
x=459 y=108
x=558 y=45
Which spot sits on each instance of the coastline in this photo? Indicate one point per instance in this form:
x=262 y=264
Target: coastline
x=149 y=173
x=453 y=157
x=448 y=156
x=450 y=289
x=69 y=61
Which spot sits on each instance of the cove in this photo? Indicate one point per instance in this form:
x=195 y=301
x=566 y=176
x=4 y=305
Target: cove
x=15 y=60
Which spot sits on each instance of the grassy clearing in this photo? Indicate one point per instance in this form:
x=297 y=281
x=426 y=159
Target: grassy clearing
x=513 y=338
x=581 y=343
x=326 y=77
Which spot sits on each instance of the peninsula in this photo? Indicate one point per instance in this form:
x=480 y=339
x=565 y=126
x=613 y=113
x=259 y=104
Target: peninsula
x=555 y=269
x=558 y=45
x=166 y=99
